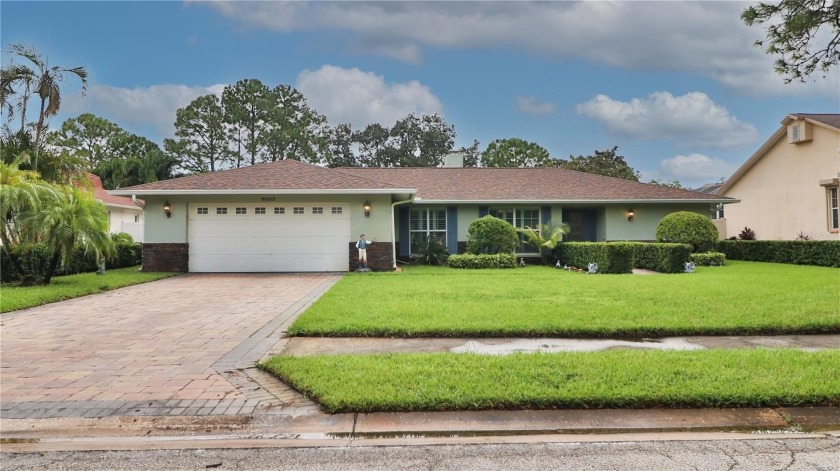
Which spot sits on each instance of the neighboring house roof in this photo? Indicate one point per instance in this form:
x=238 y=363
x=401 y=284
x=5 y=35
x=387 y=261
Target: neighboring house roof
x=285 y=176
x=710 y=188
x=549 y=184
x=830 y=121
x=101 y=194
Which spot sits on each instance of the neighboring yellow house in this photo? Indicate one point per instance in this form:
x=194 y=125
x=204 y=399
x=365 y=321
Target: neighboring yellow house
x=790 y=185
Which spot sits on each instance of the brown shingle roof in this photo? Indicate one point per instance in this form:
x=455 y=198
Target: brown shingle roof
x=832 y=120
x=281 y=175
x=101 y=194
x=527 y=184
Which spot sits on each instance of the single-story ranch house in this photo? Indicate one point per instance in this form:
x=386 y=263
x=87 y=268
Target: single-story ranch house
x=289 y=216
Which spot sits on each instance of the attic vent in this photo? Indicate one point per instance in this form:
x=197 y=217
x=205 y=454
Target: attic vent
x=799 y=131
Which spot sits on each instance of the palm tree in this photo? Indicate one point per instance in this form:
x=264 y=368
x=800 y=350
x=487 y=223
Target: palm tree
x=21 y=192
x=545 y=238
x=73 y=220
x=42 y=80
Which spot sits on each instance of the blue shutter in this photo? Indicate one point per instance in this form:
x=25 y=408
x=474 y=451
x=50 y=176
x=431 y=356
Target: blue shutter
x=404 y=237
x=545 y=214
x=452 y=229
x=483 y=211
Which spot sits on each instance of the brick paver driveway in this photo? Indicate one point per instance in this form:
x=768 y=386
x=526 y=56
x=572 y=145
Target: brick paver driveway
x=179 y=346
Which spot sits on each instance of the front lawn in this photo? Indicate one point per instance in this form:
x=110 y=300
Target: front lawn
x=13 y=298
x=740 y=298
x=611 y=379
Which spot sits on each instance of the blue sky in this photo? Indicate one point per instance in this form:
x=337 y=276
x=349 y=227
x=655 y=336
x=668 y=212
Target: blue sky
x=677 y=86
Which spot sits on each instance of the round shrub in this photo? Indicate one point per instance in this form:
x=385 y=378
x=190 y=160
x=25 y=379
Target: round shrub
x=685 y=227
x=491 y=235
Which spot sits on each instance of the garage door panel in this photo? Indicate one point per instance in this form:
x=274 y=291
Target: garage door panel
x=268 y=242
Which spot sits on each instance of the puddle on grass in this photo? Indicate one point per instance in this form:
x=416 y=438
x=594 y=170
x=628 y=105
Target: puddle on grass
x=571 y=345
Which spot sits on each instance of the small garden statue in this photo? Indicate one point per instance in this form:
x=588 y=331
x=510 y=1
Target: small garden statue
x=689 y=267
x=362 y=245
x=559 y=265
x=593 y=268
x=521 y=262
x=100 y=269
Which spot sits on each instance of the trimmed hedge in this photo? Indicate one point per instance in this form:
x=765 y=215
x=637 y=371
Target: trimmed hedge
x=499 y=260
x=686 y=227
x=611 y=257
x=490 y=235
x=709 y=259
x=34 y=261
x=824 y=253
x=661 y=257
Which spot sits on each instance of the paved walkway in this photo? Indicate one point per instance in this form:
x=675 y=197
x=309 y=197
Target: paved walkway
x=180 y=346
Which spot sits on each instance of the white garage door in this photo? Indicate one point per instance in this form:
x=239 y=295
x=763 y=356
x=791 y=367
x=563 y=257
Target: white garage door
x=269 y=237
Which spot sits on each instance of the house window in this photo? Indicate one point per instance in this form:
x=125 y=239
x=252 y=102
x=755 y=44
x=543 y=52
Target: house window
x=137 y=217
x=520 y=218
x=833 y=209
x=337 y=210
x=198 y=211
x=259 y=210
x=426 y=224
x=297 y=210
x=317 y=210
x=241 y=211
x=221 y=210
x=279 y=210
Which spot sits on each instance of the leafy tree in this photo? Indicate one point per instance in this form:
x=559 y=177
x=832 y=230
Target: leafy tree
x=792 y=35
x=140 y=161
x=73 y=220
x=88 y=136
x=472 y=157
x=294 y=131
x=667 y=183
x=490 y=235
x=606 y=162
x=21 y=191
x=341 y=147
x=204 y=144
x=686 y=227
x=514 y=152
x=40 y=79
x=246 y=105
x=373 y=145
x=545 y=237
x=419 y=141
x=54 y=166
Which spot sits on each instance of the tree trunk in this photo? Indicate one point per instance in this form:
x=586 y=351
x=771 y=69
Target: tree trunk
x=38 y=128
x=53 y=266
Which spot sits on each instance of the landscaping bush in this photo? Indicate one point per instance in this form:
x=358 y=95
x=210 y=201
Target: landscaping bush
x=686 y=227
x=467 y=260
x=824 y=253
x=747 y=234
x=490 y=235
x=709 y=259
x=661 y=257
x=430 y=252
x=33 y=260
x=612 y=257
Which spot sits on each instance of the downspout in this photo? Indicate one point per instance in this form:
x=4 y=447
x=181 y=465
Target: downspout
x=394 y=230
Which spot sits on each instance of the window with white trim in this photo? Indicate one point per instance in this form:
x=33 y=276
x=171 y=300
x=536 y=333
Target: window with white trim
x=241 y=211
x=317 y=210
x=425 y=224
x=278 y=210
x=259 y=210
x=337 y=210
x=198 y=211
x=833 y=209
x=520 y=218
x=221 y=210
x=298 y=210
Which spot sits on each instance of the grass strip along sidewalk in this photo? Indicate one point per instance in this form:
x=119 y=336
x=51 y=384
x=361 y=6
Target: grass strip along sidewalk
x=13 y=298
x=611 y=379
x=741 y=298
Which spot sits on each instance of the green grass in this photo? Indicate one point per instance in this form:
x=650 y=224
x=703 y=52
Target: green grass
x=740 y=298
x=611 y=379
x=13 y=298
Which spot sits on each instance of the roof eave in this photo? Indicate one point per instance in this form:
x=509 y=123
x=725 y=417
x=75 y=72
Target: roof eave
x=123 y=206
x=724 y=200
x=263 y=191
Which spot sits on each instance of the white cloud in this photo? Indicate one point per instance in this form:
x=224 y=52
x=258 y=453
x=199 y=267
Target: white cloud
x=152 y=106
x=704 y=37
x=692 y=119
x=695 y=168
x=531 y=105
x=361 y=98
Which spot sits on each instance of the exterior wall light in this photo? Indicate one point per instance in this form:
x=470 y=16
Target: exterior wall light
x=630 y=214
x=167 y=208
x=367 y=208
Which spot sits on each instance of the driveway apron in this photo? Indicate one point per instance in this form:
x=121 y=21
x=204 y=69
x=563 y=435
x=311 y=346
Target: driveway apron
x=180 y=346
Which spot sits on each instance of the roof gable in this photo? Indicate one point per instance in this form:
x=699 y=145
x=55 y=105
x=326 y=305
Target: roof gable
x=101 y=194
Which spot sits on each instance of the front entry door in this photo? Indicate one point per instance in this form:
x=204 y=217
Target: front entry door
x=581 y=225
